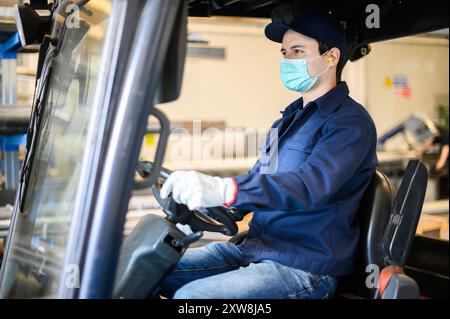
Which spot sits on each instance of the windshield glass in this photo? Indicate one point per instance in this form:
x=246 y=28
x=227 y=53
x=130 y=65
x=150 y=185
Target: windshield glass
x=38 y=246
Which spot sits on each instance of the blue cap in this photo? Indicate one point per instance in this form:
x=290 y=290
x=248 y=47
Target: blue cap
x=319 y=26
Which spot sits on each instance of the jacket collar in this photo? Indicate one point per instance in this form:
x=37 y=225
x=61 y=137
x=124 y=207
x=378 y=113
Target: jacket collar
x=327 y=103
x=292 y=108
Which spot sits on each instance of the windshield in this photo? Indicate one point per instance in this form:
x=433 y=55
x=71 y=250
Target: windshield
x=40 y=237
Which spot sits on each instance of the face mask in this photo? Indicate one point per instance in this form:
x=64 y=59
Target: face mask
x=295 y=76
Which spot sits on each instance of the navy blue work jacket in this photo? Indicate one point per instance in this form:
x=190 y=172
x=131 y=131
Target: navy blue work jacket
x=304 y=210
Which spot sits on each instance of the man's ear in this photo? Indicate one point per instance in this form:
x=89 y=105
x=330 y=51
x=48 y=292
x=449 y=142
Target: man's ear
x=333 y=57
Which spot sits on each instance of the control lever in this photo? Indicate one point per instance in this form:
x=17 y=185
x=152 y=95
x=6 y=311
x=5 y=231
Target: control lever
x=235 y=213
x=186 y=241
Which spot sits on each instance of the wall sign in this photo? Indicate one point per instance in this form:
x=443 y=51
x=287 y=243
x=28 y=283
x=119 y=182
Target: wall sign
x=399 y=83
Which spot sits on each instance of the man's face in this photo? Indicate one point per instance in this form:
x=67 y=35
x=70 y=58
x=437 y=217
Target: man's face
x=299 y=46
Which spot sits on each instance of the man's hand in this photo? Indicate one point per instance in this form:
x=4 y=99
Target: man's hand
x=443 y=158
x=197 y=190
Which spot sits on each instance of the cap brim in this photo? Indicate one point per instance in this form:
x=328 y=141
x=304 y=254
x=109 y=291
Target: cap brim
x=275 y=31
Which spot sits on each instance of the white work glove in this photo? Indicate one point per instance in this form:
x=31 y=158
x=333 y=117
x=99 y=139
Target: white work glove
x=197 y=190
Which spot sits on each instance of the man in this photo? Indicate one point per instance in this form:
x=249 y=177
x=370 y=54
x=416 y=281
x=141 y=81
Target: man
x=442 y=140
x=438 y=172
x=303 y=234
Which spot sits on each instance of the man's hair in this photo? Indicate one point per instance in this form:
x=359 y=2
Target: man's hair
x=323 y=47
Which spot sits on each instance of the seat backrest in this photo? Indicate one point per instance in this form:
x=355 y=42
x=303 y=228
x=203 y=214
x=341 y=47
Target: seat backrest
x=387 y=226
x=406 y=210
x=373 y=216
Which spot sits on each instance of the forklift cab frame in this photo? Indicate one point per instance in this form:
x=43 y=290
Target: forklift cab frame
x=138 y=61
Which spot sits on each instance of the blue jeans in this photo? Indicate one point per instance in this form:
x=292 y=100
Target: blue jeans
x=215 y=271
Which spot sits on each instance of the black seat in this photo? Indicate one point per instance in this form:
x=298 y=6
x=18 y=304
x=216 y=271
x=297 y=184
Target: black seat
x=373 y=217
x=388 y=225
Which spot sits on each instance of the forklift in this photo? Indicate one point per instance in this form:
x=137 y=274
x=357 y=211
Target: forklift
x=103 y=66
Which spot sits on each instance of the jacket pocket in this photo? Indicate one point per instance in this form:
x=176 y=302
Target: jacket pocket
x=300 y=147
x=292 y=157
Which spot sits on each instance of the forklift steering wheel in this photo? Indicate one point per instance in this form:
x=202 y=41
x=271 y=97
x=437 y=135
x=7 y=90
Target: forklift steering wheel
x=199 y=220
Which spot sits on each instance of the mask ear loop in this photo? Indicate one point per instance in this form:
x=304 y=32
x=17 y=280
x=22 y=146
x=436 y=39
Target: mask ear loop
x=327 y=68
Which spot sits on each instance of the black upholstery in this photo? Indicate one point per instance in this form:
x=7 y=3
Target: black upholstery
x=373 y=217
x=406 y=210
x=388 y=226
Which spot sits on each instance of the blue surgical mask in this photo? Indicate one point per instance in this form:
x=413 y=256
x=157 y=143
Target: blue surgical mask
x=295 y=76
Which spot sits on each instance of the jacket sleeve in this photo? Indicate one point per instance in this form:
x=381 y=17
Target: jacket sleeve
x=345 y=144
